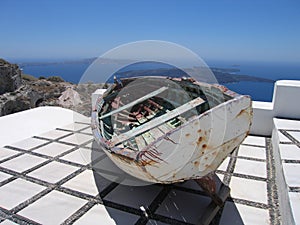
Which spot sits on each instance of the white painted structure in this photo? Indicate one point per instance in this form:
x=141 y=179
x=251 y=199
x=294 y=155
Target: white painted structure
x=22 y=125
x=285 y=104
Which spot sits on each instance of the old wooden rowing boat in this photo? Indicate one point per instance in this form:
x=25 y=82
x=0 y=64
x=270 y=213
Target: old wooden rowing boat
x=167 y=130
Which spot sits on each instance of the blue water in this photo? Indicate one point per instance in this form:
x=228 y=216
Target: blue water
x=259 y=91
x=68 y=71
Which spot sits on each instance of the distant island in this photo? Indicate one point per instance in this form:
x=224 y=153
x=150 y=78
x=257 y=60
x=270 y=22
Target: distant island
x=223 y=75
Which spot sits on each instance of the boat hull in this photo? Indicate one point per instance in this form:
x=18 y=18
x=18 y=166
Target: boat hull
x=190 y=151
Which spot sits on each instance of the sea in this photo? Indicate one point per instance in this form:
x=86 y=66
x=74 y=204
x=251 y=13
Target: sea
x=259 y=91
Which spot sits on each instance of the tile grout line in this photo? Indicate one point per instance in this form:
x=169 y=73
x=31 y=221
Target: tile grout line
x=230 y=167
x=251 y=145
x=294 y=140
x=274 y=212
x=249 y=158
x=7 y=215
x=258 y=205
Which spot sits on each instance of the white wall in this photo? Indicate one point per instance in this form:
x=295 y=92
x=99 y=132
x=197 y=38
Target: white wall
x=286 y=99
x=285 y=104
x=262 y=123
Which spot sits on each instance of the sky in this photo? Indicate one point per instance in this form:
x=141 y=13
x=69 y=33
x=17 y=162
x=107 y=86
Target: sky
x=256 y=30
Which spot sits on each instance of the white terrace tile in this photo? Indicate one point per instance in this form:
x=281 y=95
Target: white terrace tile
x=291 y=174
x=295 y=135
x=89 y=145
x=82 y=119
x=235 y=214
x=4 y=176
x=289 y=151
x=283 y=138
x=254 y=140
x=53 y=149
x=53 y=172
x=75 y=126
x=82 y=156
x=295 y=204
x=23 y=162
x=5 y=153
x=18 y=191
x=252 y=152
x=220 y=176
x=28 y=143
x=95 y=215
x=224 y=164
x=251 y=167
x=77 y=139
x=8 y=222
x=54 y=134
x=87 y=131
x=84 y=182
x=248 y=189
x=53 y=208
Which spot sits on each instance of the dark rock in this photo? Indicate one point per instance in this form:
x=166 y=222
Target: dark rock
x=10 y=77
x=14 y=105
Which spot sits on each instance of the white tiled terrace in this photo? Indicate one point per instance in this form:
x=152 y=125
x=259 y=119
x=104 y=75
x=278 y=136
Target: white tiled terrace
x=47 y=177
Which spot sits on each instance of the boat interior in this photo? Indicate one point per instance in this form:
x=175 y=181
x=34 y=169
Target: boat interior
x=133 y=117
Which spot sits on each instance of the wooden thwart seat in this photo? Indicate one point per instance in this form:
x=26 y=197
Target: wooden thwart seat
x=157 y=121
x=133 y=103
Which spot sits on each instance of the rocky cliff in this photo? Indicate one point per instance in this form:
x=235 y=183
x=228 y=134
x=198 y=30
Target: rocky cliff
x=21 y=92
x=10 y=77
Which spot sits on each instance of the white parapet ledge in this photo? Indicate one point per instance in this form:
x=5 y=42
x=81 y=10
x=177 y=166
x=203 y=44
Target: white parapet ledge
x=22 y=125
x=262 y=122
x=286 y=99
x=287 y=124
x=284 y=105
x=289 y=83
x=262 y=105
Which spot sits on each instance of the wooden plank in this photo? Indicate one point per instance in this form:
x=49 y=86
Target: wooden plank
x=141 y=143
x=157 y=121
x=148 y=137
x=164 y=128
x=133 y=103
x=156 y=133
